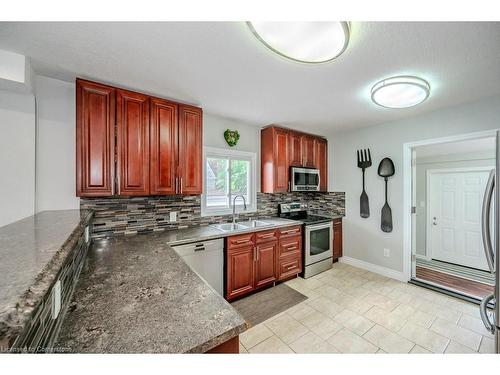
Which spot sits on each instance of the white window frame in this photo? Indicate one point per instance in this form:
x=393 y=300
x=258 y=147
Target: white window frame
x=252 y=189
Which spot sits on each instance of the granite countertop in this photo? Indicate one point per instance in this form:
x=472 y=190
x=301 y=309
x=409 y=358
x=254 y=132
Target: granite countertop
x=136 y=295
x=32 y=251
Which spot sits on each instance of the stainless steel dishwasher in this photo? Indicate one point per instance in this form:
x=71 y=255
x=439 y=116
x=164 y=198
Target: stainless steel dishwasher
x=206 y=258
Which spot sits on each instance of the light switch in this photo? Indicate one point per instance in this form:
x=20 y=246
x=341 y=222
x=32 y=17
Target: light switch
x=56 y=299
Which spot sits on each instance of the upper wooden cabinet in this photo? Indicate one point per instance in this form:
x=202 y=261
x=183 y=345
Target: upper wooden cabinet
x=132 y=130
x=164 y=142
x=158 y=147
x=190 y=150
x=95 y=139
x=283 y=148
x=321 y=162
x=308 y=151
x=274 y=160
x=294 y=149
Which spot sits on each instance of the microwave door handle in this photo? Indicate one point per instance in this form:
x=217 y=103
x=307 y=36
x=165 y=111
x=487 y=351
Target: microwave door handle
x=485 y=222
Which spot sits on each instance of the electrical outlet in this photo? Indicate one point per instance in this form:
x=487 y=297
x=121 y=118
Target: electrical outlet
x=387 y=253
x=173 y=216
x=87 y=234
x=56 y=299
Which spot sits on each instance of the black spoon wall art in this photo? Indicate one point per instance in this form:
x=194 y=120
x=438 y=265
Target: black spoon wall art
x=364 y=161
x=386 y=170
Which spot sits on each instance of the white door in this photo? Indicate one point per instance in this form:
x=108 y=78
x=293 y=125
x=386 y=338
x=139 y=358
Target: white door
x=454 y=217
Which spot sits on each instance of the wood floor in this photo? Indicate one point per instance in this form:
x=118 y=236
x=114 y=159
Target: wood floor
x=462 y=285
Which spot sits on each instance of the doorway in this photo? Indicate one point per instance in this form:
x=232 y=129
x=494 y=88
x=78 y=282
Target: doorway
x=448 y=180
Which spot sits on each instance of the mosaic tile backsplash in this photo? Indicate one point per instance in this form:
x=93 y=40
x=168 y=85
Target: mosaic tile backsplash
x=132 y=215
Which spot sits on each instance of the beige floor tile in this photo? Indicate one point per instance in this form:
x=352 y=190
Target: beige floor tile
x=487 y=346
x=321 y=324
x=287 y=328
x=358 y=324
x=243 y=350
x=326 y=306
x=380 y=351
x=385 y=319
x=387 y=340
x=311 y=343
x=440 y=311
x=422 y=319
x=348 y=342
x=381 y=301
x=400 y=296
x=417 y=349
x=356 y=292
x=359 y=306
x=344 y=315
x=312 y=283
x=424 y=337
x=474 y=324
x=461 y=335
x=457 y=348
x=272 y=345
x=255 y=335
x=330 y=292
x=299 y=311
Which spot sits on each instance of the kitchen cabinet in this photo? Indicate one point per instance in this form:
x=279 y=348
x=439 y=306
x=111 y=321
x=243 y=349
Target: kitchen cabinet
x=308 y=151
x=274 y=160
x=284 y=148
x=158 y=148
x=163 y=145
x=337 y=239
x=294 y=149
x=95 y=139
x=321 y=162
x=132 y=136
x=256 y=260
x=190 y=169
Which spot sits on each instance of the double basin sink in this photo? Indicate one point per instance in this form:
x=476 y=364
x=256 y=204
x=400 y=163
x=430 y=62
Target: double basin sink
x=231 y=227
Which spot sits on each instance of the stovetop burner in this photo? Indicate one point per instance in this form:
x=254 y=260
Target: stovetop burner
x=298 y=211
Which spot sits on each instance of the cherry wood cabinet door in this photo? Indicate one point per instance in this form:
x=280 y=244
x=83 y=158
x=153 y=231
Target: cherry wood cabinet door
x=337 y=238
x=240 y=271
x=294 y=150
x=266 y=263
x=95 y=153
x=281 y=161
x=163 y=144
x=321 y=162
x=190 y=165
x=308 y=157
x=132 y=126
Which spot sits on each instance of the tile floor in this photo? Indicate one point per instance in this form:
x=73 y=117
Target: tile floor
x=350 y=310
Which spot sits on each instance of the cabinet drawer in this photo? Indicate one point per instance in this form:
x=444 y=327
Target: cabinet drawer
x=289 y=266
x=235 y=242
x=290 y=246
x=268 y=235
x=290 y=231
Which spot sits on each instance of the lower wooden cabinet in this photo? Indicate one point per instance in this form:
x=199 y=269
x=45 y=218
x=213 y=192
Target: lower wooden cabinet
x=337 y=239
x=256 y=260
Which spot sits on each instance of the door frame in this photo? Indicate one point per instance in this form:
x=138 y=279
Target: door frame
x=407 y=188
x=428 y=175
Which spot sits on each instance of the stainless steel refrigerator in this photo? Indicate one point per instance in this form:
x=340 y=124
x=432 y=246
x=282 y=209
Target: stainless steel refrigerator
x=491 y=211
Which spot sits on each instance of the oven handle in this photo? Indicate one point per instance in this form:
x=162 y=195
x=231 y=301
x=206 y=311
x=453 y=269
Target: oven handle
x=320 y=226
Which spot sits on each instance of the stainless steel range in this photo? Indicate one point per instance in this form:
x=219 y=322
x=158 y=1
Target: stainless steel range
x=318 y=237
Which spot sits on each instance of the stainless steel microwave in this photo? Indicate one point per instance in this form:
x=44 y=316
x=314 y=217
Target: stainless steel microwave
x=304 y=179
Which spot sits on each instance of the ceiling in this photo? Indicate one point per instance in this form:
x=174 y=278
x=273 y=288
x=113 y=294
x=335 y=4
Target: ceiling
x=223 y=68
x=482 y=145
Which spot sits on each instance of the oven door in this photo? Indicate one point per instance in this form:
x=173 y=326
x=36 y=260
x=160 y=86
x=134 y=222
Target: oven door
x=319 y=242
x=304 y=179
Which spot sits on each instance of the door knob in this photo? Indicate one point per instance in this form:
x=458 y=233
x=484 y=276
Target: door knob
x=434 y=221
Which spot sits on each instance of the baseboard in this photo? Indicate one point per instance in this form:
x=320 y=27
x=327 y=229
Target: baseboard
x=384 y=271
x=420 y=256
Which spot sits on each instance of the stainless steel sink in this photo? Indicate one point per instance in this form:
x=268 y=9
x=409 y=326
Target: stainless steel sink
x=228 y=227
x=255 y=223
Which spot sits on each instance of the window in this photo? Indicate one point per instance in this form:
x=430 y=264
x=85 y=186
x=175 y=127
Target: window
x=228 y=173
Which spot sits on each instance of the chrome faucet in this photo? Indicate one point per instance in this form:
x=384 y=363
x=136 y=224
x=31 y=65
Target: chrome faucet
x=234 y=206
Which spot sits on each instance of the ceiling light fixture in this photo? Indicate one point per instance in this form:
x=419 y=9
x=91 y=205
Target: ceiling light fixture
x=308 y=42
x=400 y=92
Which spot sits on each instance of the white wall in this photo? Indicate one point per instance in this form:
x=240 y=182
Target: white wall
x=213 y=136
x=17 y=156
x=469 y=160
x=56 y=155
x=363 y=238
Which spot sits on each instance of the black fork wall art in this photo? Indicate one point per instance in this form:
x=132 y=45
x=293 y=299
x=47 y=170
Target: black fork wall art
x=364 y=161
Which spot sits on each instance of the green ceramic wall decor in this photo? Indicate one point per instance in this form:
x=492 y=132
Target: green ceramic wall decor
x=231 y=137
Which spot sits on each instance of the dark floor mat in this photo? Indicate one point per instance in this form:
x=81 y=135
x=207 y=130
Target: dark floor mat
x=265 y=304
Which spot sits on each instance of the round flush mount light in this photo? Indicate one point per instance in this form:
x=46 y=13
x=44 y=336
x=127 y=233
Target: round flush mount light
x=308 y=42
x=400 y=92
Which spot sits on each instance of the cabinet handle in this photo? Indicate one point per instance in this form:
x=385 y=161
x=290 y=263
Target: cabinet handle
x=240 y=241
x=289 y=186
x=290 y=267
x=288 y=231
x=177 y=185
x=292 y=247
x=267 y=235
x=181 y=185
